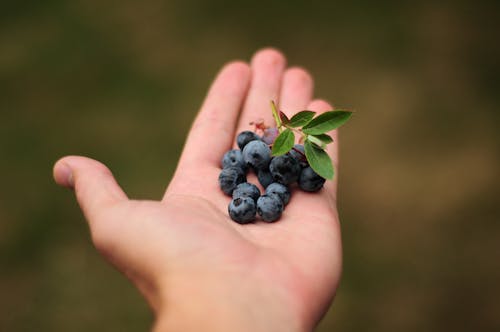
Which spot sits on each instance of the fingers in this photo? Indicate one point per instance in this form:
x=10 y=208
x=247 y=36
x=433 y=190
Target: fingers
x=267 y=67
x=213 y=130
x=296 y=90
x=320 y=106
x=94 y=185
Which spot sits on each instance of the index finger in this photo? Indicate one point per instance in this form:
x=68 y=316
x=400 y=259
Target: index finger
x=212 y=132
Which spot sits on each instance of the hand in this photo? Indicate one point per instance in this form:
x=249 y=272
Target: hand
x=198 y=269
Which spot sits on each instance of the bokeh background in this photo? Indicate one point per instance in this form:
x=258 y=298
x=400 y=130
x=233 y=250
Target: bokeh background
x=122 y=81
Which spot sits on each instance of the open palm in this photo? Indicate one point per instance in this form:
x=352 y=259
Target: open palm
x=186 y=243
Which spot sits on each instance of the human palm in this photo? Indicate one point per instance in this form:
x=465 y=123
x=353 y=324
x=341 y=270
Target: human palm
x=187 y=244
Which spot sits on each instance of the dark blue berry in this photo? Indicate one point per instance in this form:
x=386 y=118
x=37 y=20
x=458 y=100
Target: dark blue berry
x=269 y=207
x=257 y=154
x=309 y=180
x=242 y=210
x=298 y=153
x=285 y=169
x=233 y=158
x=230 y=177
x=246 y=136
x=265 y=177
x=246 y=189
x=279 y=190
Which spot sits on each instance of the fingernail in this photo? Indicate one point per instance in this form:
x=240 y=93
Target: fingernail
x=67 y=174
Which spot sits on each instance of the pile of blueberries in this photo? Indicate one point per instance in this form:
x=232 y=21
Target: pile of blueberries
x=275 y=174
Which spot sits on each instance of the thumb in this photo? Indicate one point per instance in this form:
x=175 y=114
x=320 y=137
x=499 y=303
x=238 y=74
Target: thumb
x=94 y=184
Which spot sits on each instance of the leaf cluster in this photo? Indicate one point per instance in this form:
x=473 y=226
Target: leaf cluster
x=313 y=133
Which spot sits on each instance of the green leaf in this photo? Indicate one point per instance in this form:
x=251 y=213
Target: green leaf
x=284 y=118
x=324 y=138
x=319 y=160
x=301 y=119
x=315 y=140
x=327 y=121
x=283 y=143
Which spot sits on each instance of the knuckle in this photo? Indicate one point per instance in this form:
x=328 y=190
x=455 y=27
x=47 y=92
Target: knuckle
x=103 y=236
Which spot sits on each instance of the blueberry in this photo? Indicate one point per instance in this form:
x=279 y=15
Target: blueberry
x=246 y=189
x=285 y=169
x=246 y=136
x=265 y=177
x=230 y=177
x=233 y=158
x=298 y=153
x=309 y=180
x=270 y=135
x=257 y=154
x=269 y=207
x=242 y=210
x=279 y=190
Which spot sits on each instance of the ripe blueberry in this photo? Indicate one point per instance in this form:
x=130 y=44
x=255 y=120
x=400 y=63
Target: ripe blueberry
x=269 y=207
x=299 y=154
x=309 y=180
x=257 y=154
x=279 y=190
x=233 y=158
x=242 y=210
x=265 y=178
x=246 y=136
x=230 y=177
x=246 y=189
x=285 y=169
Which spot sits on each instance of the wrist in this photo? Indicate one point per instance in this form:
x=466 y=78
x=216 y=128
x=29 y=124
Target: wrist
x=230 y=305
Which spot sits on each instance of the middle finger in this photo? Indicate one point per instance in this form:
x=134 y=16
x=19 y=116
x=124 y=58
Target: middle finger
x=267 y=68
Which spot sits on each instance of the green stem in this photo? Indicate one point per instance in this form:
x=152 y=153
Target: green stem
x=276 y=116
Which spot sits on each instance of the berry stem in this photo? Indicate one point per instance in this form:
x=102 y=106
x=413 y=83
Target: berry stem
x=276 y=116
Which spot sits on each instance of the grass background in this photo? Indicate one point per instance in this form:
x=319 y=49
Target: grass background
x=122 y=81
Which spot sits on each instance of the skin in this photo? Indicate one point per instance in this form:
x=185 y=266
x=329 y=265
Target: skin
x=197 y=269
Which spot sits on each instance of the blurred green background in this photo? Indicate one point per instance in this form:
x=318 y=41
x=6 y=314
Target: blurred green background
x=122 y=81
